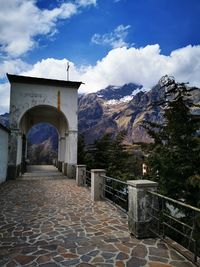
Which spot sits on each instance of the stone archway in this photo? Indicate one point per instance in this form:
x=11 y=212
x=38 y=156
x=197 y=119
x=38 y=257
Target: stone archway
x=51 y=115
x=34 y=100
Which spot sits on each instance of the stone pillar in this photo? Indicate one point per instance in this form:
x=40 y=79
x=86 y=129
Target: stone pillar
x=59 y=154
x=65 y=169
x=71 y=171
x=81 y=175
x=56 y=163
x=19 y=153
x=139 y=218
x=62 y=153
x=97 y=184
x=66 y=154
x=71 y=153
x=23 y=156
x=13 y=168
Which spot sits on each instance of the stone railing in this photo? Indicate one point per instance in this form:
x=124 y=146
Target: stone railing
x=141 y=201
x=67 y=169
x=138 y=216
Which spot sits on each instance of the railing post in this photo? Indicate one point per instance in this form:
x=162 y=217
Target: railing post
x=80 y=175
x=97 y=184
x=71 y=171
x=139 y=218
x=65 y=168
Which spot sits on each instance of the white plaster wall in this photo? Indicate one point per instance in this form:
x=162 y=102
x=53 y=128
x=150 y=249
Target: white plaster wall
x=3 y=154
x=26 y=96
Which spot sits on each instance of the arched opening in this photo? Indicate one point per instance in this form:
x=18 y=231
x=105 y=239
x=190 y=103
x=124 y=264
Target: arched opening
x=42 y=144
x=44 y=137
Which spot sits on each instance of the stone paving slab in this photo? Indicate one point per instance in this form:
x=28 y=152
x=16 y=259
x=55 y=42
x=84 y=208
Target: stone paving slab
x=49 y=223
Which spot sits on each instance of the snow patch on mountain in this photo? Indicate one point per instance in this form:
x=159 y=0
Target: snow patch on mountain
x=124 y=99
x=138 y=90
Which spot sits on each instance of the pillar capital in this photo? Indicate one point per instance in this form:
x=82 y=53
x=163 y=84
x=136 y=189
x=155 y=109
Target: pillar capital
x=15 y=130
x=72 y=131
x=80 y=165
x=142 y=183
x=98 y=171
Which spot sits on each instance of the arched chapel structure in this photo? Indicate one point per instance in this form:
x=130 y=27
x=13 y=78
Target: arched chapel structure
x=38 y=100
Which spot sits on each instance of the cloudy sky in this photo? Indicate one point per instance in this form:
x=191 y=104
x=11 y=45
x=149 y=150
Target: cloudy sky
x=105 y=41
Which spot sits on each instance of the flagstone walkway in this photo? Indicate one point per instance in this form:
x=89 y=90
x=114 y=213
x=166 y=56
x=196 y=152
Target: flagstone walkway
x=52 y=222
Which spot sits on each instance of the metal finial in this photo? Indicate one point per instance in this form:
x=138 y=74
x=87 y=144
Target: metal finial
x=68 y=71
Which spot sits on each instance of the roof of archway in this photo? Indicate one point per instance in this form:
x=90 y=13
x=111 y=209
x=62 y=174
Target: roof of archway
x=42 y=81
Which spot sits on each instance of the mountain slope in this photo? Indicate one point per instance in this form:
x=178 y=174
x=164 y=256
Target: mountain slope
x=99 y=115
x=110 y=111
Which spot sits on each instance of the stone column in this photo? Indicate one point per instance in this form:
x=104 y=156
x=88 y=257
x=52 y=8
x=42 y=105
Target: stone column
x=66 y=159
x=13 y=169
x=23 y=157
x=62 y=153
x=59 y=154
x=72 y=153
x=97 y=184
x=81 y=175
x=139 y=218
x=19 y=153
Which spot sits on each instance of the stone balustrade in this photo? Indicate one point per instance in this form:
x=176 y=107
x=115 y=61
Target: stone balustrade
x=138 y=215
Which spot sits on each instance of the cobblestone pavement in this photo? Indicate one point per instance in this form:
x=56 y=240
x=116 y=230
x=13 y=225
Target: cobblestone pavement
x=53 y=222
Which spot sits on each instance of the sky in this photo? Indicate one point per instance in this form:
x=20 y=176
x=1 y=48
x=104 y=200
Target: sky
x=106 y=42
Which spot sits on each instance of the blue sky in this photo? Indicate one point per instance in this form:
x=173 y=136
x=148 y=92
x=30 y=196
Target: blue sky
x=105 y=41
x=171 y=24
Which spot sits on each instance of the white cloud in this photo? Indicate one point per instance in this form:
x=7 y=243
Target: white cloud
x=144 y=66
x=86 y=2
x=53 y=69
x=13 y=66
x=21 y=21
x=123 y=65
x=115 y=38
x=5 y=97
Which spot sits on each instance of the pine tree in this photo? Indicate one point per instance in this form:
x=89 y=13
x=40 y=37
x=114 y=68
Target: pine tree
x=101 y=152
x=118 y=158
x=81 y=149
x=175 y=155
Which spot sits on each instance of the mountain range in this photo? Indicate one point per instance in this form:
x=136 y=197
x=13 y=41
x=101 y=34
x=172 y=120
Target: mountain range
x=118 y=108
x=109 y=110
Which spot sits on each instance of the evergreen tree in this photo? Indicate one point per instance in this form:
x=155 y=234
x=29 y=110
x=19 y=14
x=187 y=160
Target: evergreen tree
x=81 y=149
x=118 y=158
x=175 y=155
x=112 y=155
x=101 y=152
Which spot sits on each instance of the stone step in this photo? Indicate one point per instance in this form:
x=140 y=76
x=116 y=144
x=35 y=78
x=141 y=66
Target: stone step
x=37 y=172
x=42 y=177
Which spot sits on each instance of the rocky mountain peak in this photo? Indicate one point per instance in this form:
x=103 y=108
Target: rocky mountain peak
x=118 y=92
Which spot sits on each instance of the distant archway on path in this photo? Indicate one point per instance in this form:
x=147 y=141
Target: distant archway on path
x=37 y=100
x=42 y=144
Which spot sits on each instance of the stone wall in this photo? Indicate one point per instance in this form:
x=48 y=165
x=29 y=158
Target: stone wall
x=4 y=133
